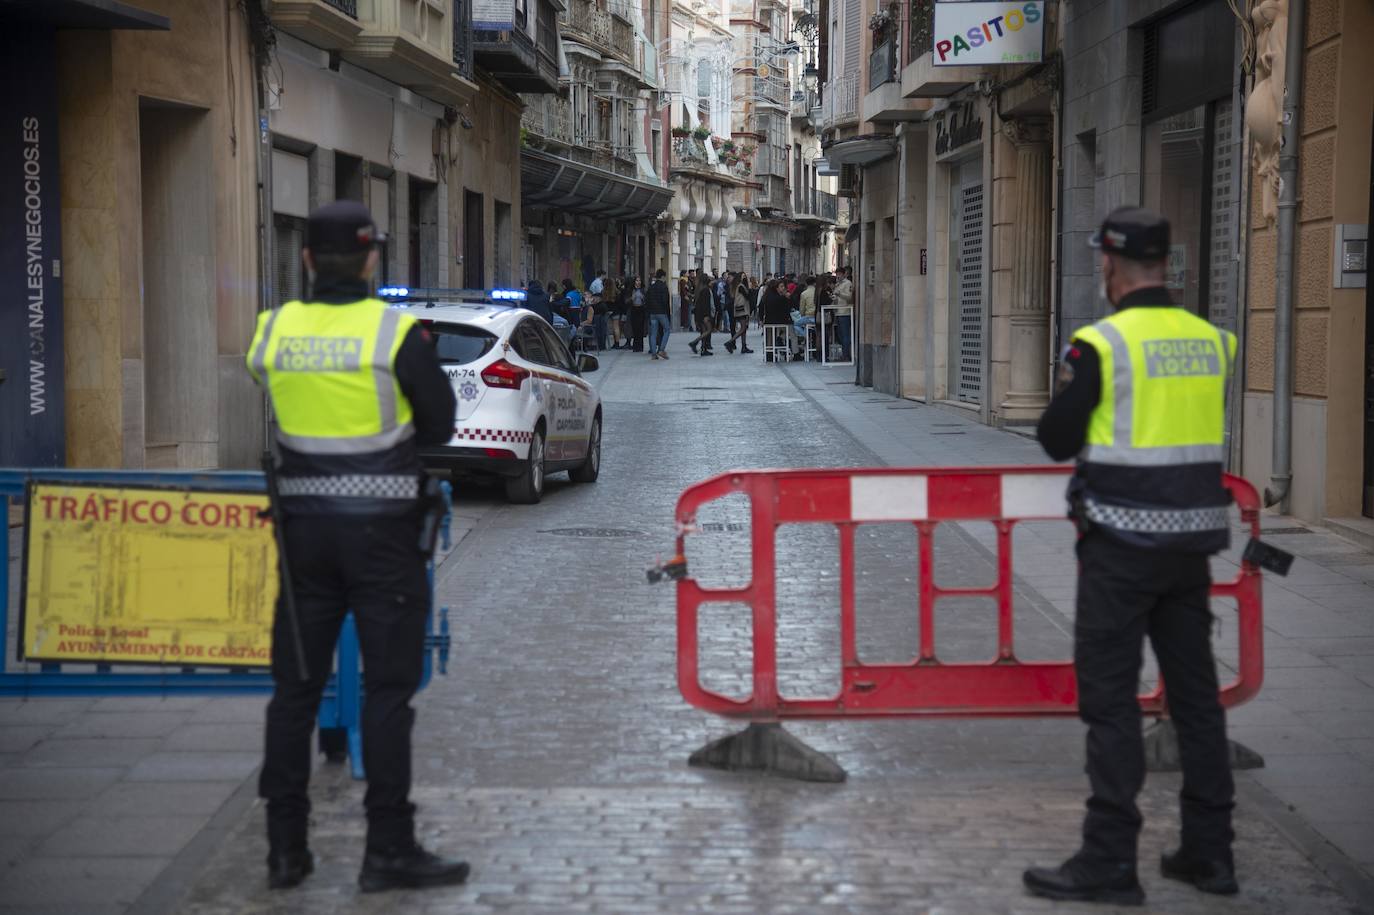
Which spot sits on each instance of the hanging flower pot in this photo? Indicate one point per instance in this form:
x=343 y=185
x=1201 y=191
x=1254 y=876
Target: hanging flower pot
x=702 y=133
x=681 y=132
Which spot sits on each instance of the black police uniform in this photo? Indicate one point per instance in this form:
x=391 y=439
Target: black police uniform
x=360 y=554
x=1125 y=592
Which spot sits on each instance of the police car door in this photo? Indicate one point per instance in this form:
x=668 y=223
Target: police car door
x=547 y=387
x=575 y=411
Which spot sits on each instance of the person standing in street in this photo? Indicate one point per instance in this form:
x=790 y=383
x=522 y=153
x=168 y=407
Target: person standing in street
x=350 y=417
x=660 y=312
x=638 y=318
x=703 y=308
x=686 y=288
x=1141 y=401
x=741 y=307
x=806 y=308
x=844 y=303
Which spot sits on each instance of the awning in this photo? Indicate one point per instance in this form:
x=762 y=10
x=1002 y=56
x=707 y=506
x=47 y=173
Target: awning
x=550 y=181
x=82 y=14
x=860 y=151
x=852 y=232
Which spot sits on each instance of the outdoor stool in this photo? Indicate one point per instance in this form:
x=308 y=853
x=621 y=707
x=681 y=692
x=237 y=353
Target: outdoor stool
x=775 y=343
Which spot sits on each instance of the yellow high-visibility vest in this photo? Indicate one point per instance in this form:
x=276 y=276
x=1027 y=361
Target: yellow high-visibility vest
x=1152 y=461
x=330 y=371
x=1164 y=377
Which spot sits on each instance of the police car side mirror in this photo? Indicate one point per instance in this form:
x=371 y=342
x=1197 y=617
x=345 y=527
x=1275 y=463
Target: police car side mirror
x=587 y=363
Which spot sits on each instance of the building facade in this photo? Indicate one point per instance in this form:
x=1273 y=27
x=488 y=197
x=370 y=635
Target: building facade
x=135 y=132
x=592 y=187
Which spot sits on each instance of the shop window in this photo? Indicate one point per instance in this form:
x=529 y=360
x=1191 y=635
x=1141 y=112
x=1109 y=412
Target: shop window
x=1188 y=159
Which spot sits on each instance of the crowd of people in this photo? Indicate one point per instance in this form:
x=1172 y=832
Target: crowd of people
x=626 y=314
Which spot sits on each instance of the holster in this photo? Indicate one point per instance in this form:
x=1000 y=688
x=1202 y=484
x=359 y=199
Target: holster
x=432 y=508
x=1077 y=510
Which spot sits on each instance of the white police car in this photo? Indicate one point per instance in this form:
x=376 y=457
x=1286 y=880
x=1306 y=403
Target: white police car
x=524 y=409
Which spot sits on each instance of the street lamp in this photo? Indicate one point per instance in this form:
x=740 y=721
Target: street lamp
x=811 y=77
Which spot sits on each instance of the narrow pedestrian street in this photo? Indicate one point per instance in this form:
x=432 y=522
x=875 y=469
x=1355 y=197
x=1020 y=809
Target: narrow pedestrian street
x=553 y=754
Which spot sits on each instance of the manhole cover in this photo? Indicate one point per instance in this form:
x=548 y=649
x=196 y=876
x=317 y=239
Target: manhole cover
x=604 y=532
x=899 y=407
x=946 y=433
x=707 y=400
x=1282 y=531
x=707 y=388
x=714 y=527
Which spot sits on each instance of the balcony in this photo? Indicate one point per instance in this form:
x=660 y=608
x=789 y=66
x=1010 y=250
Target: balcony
x=463 y=38
x=816 y=206
x=411 y=43
x=803 y=106
x=772 y=91
x=547 y=121
x=884 y=102
x=506 y=48
x=692 y=156
x=328 y=24
x=921 y=78
x=840 y=102
x=611 y=34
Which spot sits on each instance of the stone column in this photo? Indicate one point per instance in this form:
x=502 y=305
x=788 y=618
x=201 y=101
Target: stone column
x=1028 y=388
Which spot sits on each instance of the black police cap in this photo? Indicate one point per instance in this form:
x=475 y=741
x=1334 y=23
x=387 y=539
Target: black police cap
x=341 y=227
x=1135 y=233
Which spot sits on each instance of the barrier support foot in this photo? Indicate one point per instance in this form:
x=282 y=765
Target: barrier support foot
x=1161 y=750
x=769 y=749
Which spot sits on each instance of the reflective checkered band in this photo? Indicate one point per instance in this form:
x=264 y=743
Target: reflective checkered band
x=494 y=435
x=1157 y=520
x=354 y=486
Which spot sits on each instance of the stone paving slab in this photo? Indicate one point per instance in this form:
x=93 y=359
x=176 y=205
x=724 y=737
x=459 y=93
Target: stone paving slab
x=749 y=846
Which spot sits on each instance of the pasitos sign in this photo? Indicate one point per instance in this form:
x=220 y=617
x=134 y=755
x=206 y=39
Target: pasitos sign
x=978 y=34
x=147 y=576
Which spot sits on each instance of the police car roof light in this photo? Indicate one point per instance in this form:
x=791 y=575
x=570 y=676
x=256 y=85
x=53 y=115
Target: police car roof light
x=509 y=295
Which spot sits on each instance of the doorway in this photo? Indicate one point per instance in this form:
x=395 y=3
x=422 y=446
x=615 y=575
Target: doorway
x=967 y=293
x=474 y=243
x=1368 y=501
x=180 y=348
x=424 y=234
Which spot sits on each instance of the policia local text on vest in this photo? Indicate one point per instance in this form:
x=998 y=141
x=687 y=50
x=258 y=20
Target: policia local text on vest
x=356 y=387
x=1141 y=403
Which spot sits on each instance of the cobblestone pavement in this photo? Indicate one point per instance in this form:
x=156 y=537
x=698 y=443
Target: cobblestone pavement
x=553 y=756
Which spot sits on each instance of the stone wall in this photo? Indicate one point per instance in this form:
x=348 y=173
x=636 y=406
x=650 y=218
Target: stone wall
x=1329 y=324
x=201 y=68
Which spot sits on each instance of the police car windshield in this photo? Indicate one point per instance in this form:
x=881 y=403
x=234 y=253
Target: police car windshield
x=458 y=344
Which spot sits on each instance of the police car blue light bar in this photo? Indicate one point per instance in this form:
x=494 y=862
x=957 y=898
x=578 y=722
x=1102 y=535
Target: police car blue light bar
x=393 y=292
x=508 y=295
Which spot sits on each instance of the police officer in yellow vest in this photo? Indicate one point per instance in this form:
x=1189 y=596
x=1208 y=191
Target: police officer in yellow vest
x=355 y=388
x=1141 y=402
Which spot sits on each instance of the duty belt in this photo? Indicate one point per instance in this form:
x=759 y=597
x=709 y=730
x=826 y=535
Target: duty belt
x=1157 y=520
x=355 y=486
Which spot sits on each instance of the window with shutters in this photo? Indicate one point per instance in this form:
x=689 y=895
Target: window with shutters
x=852 y=38
x=288 y=273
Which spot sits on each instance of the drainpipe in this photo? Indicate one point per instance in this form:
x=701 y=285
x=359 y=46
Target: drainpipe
x=1281 y=473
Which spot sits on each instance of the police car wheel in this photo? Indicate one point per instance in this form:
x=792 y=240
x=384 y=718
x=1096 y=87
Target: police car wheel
x=528 y=486
x=590 y=468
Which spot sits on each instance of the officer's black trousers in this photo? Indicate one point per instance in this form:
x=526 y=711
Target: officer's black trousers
x=1123 y=595
x=373 y=566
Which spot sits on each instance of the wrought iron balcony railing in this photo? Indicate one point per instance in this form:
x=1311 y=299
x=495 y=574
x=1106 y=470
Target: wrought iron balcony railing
x=462 y=37
x=840 y=100
x=920 y=17
x=348 y=7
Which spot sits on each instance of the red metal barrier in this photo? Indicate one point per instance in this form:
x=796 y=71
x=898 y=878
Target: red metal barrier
x=1002 y=686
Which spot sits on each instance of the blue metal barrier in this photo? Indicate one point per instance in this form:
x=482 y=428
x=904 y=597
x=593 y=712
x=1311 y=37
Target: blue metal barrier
x=341 y=709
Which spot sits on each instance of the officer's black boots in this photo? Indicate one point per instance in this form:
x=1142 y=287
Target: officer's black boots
x=289 y=860
x=1208 y=875
x=1079 y=881
x=408 y=867
x=288 y=868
